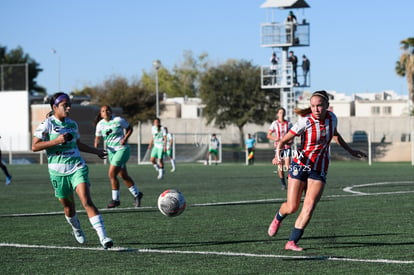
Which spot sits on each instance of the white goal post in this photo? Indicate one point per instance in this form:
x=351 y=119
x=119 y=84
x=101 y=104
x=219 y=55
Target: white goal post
x=187 y=147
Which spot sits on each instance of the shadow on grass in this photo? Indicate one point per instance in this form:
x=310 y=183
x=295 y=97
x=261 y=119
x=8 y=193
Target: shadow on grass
x=169 y=245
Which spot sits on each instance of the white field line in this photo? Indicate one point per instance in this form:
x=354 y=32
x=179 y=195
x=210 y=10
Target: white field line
x=216 y=253
x=329 y=258
x=348 y=189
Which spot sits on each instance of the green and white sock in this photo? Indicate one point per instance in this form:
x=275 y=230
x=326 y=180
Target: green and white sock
x=98 y=224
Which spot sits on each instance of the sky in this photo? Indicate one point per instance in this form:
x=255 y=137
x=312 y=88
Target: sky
x=354 y=44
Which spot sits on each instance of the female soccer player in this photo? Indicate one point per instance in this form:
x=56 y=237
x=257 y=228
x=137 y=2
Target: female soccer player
x=116 y=130
x=213 y=148
x=316 y=127
x=277 y=130
x=169 y=152
x=59 y=136
x=158 y=147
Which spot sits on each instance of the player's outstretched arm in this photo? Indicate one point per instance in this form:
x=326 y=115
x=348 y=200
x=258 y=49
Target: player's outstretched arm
x=355 y=153
x=88 y=149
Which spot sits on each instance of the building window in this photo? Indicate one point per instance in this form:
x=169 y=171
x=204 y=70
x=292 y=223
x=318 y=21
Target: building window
x=375 y=110
x=387 y=110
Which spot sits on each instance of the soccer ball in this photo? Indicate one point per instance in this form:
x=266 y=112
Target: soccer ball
x=171 y=203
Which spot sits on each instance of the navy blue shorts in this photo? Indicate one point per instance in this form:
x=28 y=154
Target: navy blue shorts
x=304 y=173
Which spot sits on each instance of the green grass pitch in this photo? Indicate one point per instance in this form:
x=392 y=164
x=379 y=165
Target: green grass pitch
x=366 y=229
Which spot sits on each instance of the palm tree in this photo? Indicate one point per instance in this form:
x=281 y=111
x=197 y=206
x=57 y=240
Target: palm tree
x=405 y=66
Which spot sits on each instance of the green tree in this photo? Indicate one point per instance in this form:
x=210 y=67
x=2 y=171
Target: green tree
x=13 y=76
x=167 y=82
x=232 y=95
x=405 y=65
x=137 y=103
x=184 y=80
x=189 y=72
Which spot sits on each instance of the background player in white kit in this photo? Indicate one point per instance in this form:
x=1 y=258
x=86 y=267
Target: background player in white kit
x=115 y=131
x=158 y=147
x=213 y=148
x=169 y=152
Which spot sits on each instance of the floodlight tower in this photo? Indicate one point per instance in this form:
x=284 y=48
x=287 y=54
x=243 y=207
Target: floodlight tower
x=281 y=78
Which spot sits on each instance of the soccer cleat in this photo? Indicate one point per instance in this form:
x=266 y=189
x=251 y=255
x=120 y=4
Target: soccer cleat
x=291 y=245
x=79 y=236
x=137 y=200
x=107 y=243
x=8 y=180
x=173 y=170
x=283 y=186
x=273 y=227
x=113 y=204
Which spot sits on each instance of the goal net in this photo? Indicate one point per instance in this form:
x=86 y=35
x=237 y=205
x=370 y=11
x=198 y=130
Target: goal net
x=186 y=148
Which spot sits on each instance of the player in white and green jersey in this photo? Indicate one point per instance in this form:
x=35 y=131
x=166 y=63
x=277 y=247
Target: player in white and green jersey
x=59 y=136
x=169 y=152
x=158 y=147
x=115 y=131
x=213 y=149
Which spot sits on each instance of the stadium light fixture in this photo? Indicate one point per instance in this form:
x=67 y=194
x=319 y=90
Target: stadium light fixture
x=157 y=65
x=58 y=56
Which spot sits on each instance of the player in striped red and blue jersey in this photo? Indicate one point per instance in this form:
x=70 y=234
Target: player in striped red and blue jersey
x=316 y=128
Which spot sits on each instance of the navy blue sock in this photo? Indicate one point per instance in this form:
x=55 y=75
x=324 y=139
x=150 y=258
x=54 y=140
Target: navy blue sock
x=279 y=217
x=296 y=234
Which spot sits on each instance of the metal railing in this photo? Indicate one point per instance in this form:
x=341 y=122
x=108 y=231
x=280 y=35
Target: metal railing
x=284 y=34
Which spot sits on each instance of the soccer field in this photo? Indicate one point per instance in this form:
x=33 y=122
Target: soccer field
x=363 y=223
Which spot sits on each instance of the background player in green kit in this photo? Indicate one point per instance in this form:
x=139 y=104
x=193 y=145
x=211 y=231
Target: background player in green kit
x=158 y=147
x=169 y=152
x=59 y=136
x=115 y=131
x=213 y=148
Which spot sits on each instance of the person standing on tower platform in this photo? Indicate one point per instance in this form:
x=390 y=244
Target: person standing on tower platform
x=290 y=28
x=305 y=69
x=294 y=60
x=273 y=68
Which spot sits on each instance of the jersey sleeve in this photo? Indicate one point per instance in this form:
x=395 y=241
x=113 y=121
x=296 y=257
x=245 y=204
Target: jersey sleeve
x=98 y=129
x=41 y=130
x=290 y=125
x=299 y=127
x=272 y=127
x=123 y=122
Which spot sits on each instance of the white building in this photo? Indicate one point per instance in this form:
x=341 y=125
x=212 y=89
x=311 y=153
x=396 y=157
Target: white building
x=386 y=103
x=182 y=107
x=340 y=104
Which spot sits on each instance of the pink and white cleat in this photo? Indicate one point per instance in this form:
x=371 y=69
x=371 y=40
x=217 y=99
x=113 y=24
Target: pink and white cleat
x=291 y=245
x=273 y=227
